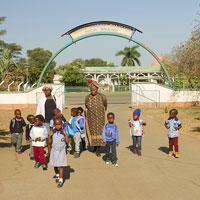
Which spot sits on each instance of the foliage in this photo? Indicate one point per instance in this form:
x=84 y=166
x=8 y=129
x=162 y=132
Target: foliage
x=15 y=49
x=131 y=56
x=185 y=60
x=9 y=69
x=72 y=75
x=37 y=59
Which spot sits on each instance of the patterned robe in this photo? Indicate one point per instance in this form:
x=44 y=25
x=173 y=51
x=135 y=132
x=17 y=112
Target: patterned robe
x=95 y=118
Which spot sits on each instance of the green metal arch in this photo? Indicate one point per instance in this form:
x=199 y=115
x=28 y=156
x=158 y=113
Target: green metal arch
x=108 y=34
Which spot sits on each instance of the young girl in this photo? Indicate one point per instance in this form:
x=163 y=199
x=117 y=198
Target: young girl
x=38 y=136
x=137 y=131
x=58 y=138
x=173 y=125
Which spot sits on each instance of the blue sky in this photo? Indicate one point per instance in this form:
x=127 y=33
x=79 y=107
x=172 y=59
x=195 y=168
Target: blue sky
x=39 y=23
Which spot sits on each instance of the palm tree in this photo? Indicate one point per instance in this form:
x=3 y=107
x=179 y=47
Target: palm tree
x=131 y=56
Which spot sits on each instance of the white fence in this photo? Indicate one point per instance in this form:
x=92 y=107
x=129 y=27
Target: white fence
x=153 y=95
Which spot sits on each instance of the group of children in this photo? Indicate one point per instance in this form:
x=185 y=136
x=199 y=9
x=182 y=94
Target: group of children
x=63 y=132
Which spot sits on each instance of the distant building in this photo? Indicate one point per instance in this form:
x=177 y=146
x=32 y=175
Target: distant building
x=111 y=75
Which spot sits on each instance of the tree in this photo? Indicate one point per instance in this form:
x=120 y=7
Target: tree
x=15 y=49
x=131 y=56
x=8 y=68
x=37 y=59
x=95 y=62
x=72 y=75
x=185 y=59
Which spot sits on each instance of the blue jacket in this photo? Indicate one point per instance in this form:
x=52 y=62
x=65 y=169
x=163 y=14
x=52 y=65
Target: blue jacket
x=74 y=124
x=110 y=133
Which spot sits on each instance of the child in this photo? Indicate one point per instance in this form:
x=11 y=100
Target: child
x=58 y=138
x=80 y=113
x=137 y=131
x=111 y=138
x=16 y=130
x=38 y=135
x=76 y=126
x=173 y=125
x=29 y=126
x=56 y=114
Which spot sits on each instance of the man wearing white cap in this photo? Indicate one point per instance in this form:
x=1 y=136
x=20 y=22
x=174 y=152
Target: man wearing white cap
x=46 y=106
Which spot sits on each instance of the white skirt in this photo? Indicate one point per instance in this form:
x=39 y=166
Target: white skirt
x=58 y=158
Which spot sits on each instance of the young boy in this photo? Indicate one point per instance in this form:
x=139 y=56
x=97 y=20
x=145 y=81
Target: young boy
x=38 y=135
x=56 y=114
x=16 y=130
x=173 y=125
x=111 y=138
x=80 y=113
x=29 y=126
x=76 y=126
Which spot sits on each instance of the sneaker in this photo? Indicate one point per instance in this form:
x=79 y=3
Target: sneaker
x=115 y=164
x=57 y=179
x=177 y=155
x=170 y=153
x=134 y=151
x=139 y=153
x=98 y=154
x=37 y=164
x=60 y=184
x=107 y=162
x=32 y=158
x=44 y=166
x=76 y=155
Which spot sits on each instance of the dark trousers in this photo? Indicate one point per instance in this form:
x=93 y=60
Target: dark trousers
x=137 y=140
x=39 y=154
x=173 y=142
x=83 y=144
x=111 y=145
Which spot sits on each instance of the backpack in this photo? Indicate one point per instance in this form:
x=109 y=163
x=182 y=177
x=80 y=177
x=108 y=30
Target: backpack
x=82 y=131
x=69 y=129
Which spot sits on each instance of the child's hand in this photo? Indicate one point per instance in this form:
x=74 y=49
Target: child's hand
x=105 y=143
x=27 y=141
x=117 y=145
x=38 y=139
x=176 y=127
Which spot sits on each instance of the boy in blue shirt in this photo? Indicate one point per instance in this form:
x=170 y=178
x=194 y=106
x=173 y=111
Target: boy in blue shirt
x=173 y=125
x=76 y=125
x=111 y=138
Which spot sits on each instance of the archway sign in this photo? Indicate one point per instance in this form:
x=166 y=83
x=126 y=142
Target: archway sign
x=99 y=28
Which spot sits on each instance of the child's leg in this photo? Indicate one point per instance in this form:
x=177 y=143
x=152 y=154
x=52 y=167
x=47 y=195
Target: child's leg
x=72 y=143
x=139 y=141
x=14 y=140
x=171 y=144
x=114 y=152
x=41 y=155
x=48 y=147
x=134 y=142
x=176 y=144
x=31 y=149
x=108 y=151
x=36 y=154
x=77 y=140
x=61 y=173
x=19 y=143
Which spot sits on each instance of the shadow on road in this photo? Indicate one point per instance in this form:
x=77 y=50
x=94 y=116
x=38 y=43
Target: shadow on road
x=164 y=149
x=3 y=145
x=130 y=147
x=66 y=172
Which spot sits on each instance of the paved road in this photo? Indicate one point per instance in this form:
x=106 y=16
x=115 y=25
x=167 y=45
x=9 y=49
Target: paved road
x=154 y=176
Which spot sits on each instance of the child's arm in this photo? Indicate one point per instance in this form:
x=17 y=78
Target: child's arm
x=117 y=137
x=129 y=123
x=32 y=135
x=166 y=126
x=11 y=126
x=104 y=136
x=178 y=127
x=23 y=122
x=27 y=134
x=66 y=136
x=50 y=137
x=143 y=123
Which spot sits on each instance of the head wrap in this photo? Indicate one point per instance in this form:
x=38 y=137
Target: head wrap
x=47 y=87
x=137 y=112
x=93 y=84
